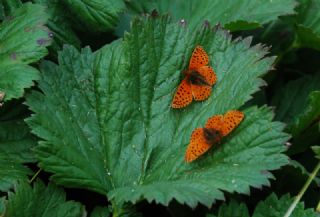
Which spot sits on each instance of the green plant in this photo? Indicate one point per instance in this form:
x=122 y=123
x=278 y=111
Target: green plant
x=97 y=119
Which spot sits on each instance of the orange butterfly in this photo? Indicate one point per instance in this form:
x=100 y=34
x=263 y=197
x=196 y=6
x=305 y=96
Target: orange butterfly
x=217 y=126
x=197 y=82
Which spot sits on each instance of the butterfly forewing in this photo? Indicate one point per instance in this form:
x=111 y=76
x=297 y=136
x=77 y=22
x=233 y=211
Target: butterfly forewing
x=215 y=122
x=199 y=58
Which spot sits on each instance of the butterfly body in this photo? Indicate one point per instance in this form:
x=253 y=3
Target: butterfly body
x=217 y=127
x=195 y=78
x=198 y=80
x=212 y=136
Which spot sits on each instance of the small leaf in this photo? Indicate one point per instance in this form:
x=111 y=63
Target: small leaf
x=298 y=104
x=316 y=150
x=59 y=24
x=233 y=209
x=96 y=15
x=100 y=212
x=23 y=39
x=10 y=5
x=234 y=15
x=41 y=201
x=115 y=106
x=308 y=20
x=2 y=205
x=274 y=207
x=15 y=149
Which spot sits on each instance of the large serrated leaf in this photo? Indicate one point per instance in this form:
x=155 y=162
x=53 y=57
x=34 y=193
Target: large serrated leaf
x=234 y=15
x=123 y=138
x=40 y=201
x=23 y=40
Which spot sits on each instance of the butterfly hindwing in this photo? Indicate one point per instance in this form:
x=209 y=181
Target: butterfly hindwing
x=208 y=74
x=200 y=92
x=183 y=96
x=198 y=145
x=231 y=120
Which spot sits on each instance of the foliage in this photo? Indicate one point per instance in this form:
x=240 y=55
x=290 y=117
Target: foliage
x=85 y=95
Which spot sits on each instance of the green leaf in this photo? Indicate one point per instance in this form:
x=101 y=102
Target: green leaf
x=271 y=207
x=310 y=114
x=308 y=20
x=23 y=40
x=274 y=207
x=316 y=150
x=96 y=15
x=233 y=209
x=234 y=15
x=2 y=205
x=41 y=201
x=10 y=5
x=298 y=104
x=100 y=212
x=123 y=138
x=292 y=99
x=15 y=149
x=59 y=24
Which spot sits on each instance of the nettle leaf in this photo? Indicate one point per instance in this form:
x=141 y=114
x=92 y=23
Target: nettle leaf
x=308 y=27
x=98 y=15
x=23 y=39
x=15 y=149
x=41 y=200
x=234 y=15
x=275 y=207
x=123 y=138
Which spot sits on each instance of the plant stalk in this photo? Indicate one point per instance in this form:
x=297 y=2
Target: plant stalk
x=303 y=190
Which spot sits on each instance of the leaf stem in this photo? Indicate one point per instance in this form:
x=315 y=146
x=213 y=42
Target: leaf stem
x=303 y=190
x=35 y=175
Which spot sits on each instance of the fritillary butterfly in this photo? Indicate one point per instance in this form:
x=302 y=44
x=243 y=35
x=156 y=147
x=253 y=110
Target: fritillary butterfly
x=197 y=82
x=216 y=128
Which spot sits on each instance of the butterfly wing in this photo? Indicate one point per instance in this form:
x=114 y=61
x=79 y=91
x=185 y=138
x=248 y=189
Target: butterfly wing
x=231 y=120
x=207 y=74
x=197 y=146
x=215 y=122
x=183 y=96
x=199 y=58
x=202 y=91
